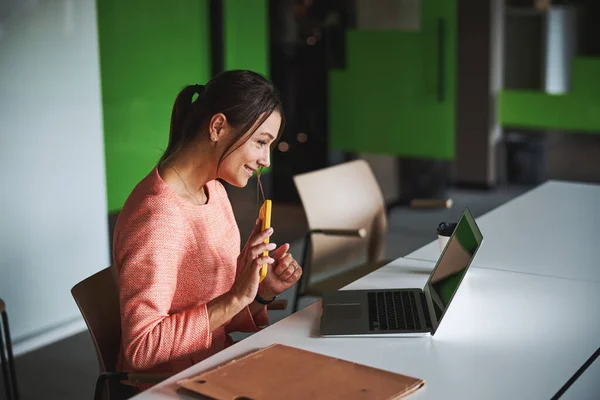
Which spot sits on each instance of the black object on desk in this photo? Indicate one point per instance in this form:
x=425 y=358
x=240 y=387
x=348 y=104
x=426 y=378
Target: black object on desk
x=446 y=228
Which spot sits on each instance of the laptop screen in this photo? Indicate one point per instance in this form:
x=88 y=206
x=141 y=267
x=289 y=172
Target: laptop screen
x=453 y=264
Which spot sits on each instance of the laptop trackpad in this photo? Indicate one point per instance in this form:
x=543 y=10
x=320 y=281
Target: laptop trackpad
x=343 y=311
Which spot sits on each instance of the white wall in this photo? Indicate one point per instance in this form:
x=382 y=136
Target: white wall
x=53 y=213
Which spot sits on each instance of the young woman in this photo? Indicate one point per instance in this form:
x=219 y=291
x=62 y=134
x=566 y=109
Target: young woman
x=184 y=282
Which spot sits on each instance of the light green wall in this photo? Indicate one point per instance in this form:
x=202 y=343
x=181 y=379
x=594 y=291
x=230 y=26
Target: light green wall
x=577 y=111
x=385 y=100
x=151 y=49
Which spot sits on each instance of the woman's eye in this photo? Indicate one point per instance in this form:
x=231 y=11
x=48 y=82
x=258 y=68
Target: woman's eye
x=262 y=142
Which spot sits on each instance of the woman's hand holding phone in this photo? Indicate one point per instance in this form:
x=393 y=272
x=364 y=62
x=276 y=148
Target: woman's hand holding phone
x=250 y=261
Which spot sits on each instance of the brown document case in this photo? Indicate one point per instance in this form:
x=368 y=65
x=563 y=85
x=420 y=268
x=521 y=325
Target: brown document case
x=284 y=372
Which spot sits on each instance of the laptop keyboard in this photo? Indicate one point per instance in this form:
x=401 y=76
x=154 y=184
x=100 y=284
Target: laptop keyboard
x=394 y=310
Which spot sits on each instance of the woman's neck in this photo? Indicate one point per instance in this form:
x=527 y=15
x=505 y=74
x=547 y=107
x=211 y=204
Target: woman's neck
x=188 y=175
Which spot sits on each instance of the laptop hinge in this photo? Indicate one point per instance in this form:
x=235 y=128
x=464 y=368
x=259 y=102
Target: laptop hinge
x=425 y=313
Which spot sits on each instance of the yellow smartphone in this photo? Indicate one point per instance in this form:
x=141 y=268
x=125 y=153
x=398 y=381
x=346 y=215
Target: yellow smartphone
x=265 y=217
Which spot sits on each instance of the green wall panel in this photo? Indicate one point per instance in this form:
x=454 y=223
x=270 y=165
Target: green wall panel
x=246 y=35
x=585 y=77
x=386 y=99
x=149 y=50
x=577 y=111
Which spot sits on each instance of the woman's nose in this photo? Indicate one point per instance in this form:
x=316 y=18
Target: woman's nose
x=265 y=160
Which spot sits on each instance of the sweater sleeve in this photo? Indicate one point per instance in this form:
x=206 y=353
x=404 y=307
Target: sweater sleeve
x=244 y=321
x=147 y=253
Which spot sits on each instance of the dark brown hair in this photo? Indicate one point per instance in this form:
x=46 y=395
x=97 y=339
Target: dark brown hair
x=242 y=96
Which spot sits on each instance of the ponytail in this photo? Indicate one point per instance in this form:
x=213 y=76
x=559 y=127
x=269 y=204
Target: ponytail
x=244 y=97
x=180 y=117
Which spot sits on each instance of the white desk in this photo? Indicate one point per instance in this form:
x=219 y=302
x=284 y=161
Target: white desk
x=552 y=230
x=505 y=335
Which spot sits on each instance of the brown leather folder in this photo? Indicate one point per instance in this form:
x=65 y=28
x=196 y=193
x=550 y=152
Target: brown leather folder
x=284 y=372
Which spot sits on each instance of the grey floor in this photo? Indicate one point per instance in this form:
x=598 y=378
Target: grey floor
x=68 y=369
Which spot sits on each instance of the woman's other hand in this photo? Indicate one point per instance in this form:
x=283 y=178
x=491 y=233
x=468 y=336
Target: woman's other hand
x=282 y=275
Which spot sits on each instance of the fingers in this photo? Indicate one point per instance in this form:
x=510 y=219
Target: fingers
x=260 y=237
x=296 y=275
x=247 y=280
x=256 y=228
x=286 y=267
x=255 y=231
x=292 y=274
x=259 y=262
x=280 y=252
x=283 y=264
x=261 y=248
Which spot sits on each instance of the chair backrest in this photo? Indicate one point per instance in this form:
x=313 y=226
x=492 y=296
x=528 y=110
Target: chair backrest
x=344 y=196
x=98 y=300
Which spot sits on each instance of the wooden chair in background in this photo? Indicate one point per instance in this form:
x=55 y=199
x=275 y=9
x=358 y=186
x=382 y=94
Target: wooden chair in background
x=347 y=223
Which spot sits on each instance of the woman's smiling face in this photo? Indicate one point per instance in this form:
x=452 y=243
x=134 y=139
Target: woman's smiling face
x=237 y=168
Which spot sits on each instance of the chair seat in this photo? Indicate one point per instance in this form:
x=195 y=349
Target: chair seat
x=340 y=280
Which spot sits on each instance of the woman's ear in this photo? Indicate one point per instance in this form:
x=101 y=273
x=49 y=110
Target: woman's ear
x=217 y=127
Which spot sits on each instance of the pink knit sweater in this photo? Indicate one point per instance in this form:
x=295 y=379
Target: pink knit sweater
x=172 y=258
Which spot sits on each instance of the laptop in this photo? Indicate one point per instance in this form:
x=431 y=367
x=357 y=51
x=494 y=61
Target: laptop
x=405 y=312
